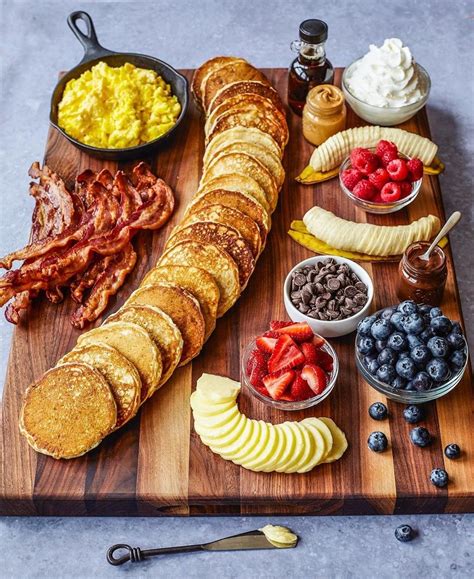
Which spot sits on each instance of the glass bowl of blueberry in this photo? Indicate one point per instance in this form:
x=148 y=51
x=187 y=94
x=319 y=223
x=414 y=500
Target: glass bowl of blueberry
x=411 y=353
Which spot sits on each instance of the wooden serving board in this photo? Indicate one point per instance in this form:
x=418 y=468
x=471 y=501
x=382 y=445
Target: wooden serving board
x=157 y=465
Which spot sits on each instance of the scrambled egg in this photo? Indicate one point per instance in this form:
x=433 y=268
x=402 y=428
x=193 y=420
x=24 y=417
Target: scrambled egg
x=114 y=108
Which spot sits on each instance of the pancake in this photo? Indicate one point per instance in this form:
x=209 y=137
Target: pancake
x=226 y=74
x=243 y=164
x=206 y=69
x=233 y=200
x=224 y=237
x=136 y=345
x=245 y=88
x=246 y=226
x=236 y=182
x=196 y=281
x=248 y=135
x=182 y=307
x=68 y=411
x=162 y=330
x=212 y=259
x=120 y=374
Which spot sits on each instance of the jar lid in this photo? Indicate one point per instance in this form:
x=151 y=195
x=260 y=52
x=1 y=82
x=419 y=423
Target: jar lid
x=313 y=31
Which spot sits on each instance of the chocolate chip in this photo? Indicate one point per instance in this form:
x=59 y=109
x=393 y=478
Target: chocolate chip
x=299 y=279
x=326 y=296
x=350 y=291
x=306 y=296
x=360 y=299
x=303 y=308
x=334 y=284
x=295 y=296
x=360 y=285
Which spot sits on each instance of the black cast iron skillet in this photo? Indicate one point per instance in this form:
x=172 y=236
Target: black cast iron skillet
x=94 y=53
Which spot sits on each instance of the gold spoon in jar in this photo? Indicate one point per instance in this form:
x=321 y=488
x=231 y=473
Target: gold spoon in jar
x=450 y=223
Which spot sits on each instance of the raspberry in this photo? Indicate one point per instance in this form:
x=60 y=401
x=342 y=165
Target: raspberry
x=398 y=170
x=415 y=166
x=365 y=161
x=391 y=192
x=365 y=190
x=386 y=151
x=379 y=177
x=406 y=188
x=377 y=199
x=356 y=152
x=350 y=178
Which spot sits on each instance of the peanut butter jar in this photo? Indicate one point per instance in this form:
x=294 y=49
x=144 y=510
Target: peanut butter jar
x=324 y=113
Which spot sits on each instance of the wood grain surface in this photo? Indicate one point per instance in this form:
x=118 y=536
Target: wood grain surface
x=156 y=464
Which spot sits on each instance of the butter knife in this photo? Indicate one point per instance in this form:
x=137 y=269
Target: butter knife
x=245 y=541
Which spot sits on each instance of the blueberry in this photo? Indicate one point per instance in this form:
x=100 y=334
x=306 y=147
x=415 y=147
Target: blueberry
x=396 y=320
x=439 y=477
x=399 y=383
x=407 y=307
x=439 y=347
x=457 y=360
x=386 y=373
x=406 y=368
x=422 y=382
x=402 y=355
x=371 y=364
x=435 y=312
x=404 y=533
x=426 y=335
x=456 y=328
x=414 y=341
x=413 y=324
x=441 y=325
x=381 y=329
x=388 y=312
x=410 y=386
x=397 y=341
x=365 y=325
x=380 y=345
x=425 y=309
x=413 y=414
x=456 y=341
x=378 y=411
x=438 y=370
x=365 y=344
x=377 y=442
x=452 y=451
x=420 y=436
x=420 y=355
x=387 y=356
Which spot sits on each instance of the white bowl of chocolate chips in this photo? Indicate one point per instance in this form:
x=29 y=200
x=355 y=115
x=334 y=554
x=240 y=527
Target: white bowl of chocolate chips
x=332 y=294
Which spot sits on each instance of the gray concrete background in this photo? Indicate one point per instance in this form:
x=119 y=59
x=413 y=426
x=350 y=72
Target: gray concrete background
x=35 y=43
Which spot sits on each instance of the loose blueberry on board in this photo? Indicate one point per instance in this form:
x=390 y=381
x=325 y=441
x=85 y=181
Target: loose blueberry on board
x=441 y=325
x=407 y=307
x=380 y=345
x=422 y=382
x=413 y=414
x=452 y=451
x=435 y=312
x=387 y=356
x=438 y=370
x=386 y=373
x=457 y=360
x=421 y=355
x=456 y=341
x=420 y=436
x=404 y=534
x=381 y=329
x=406 y=368
x=439 y=477
x=397 y=342
x=365 y=325
x=396 y=321
x=365 y=344
x=438 y=347
x=377 y=442
x=399 y=383
x=378 y=411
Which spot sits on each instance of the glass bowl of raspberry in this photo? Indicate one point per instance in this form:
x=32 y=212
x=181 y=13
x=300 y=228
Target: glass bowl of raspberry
x=381 y=179
x=289 y=367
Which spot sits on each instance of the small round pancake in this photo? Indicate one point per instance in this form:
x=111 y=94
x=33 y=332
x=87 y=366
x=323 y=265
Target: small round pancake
x=121 y=376
x=68 y=411
x=205 y=70
x=224 y=237
x=245 y=88
x=182 y=307
x=212 y=259
x=226 y=163
x=236 y=182
x=162 y=330
x=224 y=215
x=196 y=281
x=226 y=74
x=234 y=200
x=136 y=345
x=248 y=135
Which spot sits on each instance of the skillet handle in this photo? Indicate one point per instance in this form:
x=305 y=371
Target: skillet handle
x=92 y=48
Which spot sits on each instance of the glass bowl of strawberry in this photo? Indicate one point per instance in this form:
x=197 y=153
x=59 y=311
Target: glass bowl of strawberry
x=381 y=179
x=289 y=366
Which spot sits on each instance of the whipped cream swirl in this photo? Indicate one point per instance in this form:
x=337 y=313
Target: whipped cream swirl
x=386 y=76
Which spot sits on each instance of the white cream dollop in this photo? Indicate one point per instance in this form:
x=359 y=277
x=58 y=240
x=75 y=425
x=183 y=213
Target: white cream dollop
x=386 y=76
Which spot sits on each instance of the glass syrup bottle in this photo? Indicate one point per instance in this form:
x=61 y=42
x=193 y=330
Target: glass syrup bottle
x=310 y=67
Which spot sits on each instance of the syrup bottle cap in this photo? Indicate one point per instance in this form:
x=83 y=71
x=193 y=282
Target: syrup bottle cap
x=313 y=31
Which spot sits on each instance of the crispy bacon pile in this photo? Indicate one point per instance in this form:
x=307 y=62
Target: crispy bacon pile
x=82 y=239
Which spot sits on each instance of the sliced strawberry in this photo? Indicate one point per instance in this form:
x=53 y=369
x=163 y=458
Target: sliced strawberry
x=315 y=376
x=282 y=345
x=257 y=368
x=309 y=352
x=276 y=384
x=317 y=341
x=265 y=344
x=261 y=388
x=299 y=389
x=300 y=332
x=286 y=355
x=287 y=398
x=324 y=360
x=276 y=325
x=270 y=334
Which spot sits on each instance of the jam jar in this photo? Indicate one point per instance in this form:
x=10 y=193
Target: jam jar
x=324 y=113
x=419 y=280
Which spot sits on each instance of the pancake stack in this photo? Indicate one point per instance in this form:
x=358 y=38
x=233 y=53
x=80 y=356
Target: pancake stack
x=207 y=262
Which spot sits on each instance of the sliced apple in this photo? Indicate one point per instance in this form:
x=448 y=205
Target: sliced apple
x=294 y=435
x=325 y=433
x=218 y=419
x=264 y=450
x=216 y=432
x=218 y=388
x=233 y=435
x=273 y=461
x=252 y=442
x=318 y=448
x=308 y=447
x=202 y=407
x=239 y=447
x=340 y=441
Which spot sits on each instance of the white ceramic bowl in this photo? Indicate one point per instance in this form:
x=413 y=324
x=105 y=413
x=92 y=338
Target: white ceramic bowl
x=386 y=116
x=332 y=328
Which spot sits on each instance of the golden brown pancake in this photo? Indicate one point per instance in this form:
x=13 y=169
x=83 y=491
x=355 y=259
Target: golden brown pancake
x=162 y=330
x=197 y=281
x=182 y=307
x=248 y=135
x=204 y=70
x=68 y=411
x=136 y=345
x=120 y=374
x=236 y=182
x=247 y=87
x=212 y=259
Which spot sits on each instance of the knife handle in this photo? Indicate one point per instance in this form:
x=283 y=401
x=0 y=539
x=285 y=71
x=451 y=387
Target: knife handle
x=135 y=554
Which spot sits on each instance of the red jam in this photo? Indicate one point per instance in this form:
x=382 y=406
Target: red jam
x=422 y=281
